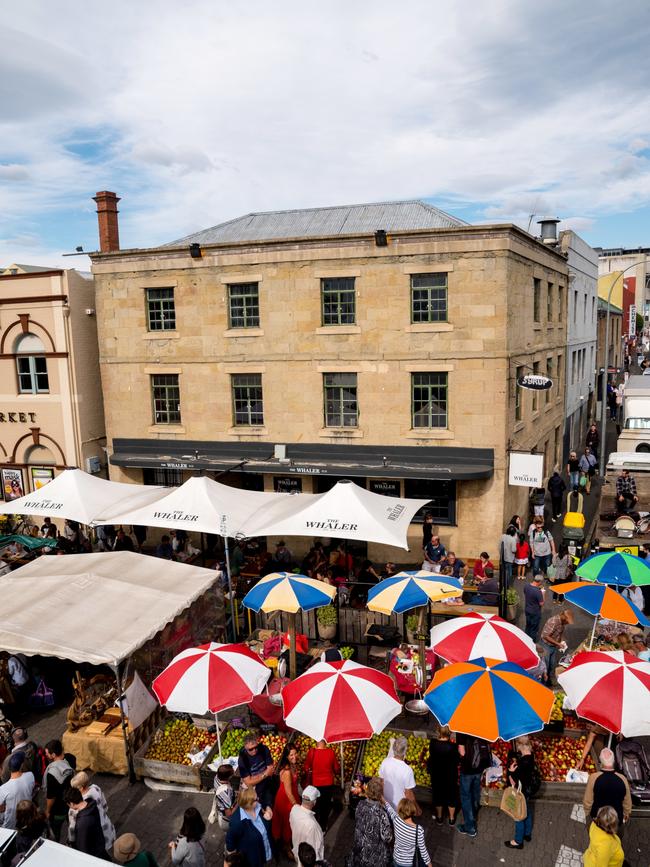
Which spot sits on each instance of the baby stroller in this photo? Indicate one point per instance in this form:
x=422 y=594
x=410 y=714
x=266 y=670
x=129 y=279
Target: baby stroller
x=632 y=761
x=573 y=526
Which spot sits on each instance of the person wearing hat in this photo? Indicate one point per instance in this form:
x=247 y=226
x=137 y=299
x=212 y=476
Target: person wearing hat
x=534 y=602
x=19 y=787
x=127 y=850
x=304 y=825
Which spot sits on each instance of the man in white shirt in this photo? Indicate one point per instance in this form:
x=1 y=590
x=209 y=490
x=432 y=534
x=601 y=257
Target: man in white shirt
x=304 y=825
x=398 y=777
x=20 y=787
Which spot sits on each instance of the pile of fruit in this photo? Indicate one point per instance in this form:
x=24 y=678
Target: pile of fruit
x=557 y=714
x=276 y=745
x=417 y=754
x=176 y=739
x=233 y=742
x=350 y=749
x=554 y=756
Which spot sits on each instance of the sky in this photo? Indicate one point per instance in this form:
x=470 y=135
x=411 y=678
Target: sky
x=198 y=112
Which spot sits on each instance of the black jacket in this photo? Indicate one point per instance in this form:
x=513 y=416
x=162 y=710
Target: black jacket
x=89 y=837
x=556 y=485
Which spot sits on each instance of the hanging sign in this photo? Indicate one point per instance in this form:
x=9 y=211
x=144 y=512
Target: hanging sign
x=526 y=470
x=535 y=381
x=631 y=328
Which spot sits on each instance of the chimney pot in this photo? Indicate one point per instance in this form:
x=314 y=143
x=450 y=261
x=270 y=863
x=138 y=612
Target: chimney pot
x=548 y=230
x=109 y=234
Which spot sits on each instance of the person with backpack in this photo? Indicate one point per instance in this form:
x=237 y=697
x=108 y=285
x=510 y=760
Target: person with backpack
x=522 y=771
x=556 y=488
x=475 y=757
x=22 y=744
x=542 y=546
x=89 y=836
x=56 y=781
x=588 y=466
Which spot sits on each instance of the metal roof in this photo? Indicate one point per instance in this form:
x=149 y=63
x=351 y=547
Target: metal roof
x=319 y=222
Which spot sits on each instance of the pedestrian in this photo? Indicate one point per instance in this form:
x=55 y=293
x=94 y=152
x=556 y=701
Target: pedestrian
x=321 y=766
x=188 y=849
x=91 y=790
x=442 y=765
x=256 y=769
x=434 y=552
x=283 y=556
x=427 y=528
x=164 y=550
x=481 y=565
x=304 y=824
x=633 y=594
x=522 y=772
x=607 y=788
x=605 y=849
x=509 y=553
x=562 y=566
x=127 y=849
x=538 y=499
x=587 y=466
x=626 y=493
x=556 y=488
x=88 y=836
x=593 y=439
x=249 y=832
x=31 y=825
x=533 y=604
x=475 y=757
x=286 y=797
x=553 y=642
x=611 y=401
x=542 y=546
x=522 y=556
x=307 y=857
x=398 y=777
x=573 y=471
x=19 y=787
x=488 y=589
x=538 y=672
x=224 y=795
x=458 y=567
x=516 y=522
x=408 y=835
x=56 y=779
x=373 y=831
x=140 y=534
x=48 y=529
x=22 y=744
x=123 y=542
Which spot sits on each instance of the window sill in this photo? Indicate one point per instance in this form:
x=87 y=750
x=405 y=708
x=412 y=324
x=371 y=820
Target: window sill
x=432 y=327
x=166 y=428
x=254 y=331
x=341 y=432
x=248 y=430
x=161 y=335
x=339 y=329
x=429 y=434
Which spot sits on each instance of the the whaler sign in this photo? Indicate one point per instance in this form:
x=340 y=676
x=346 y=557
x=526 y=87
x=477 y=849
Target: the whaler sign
x=535 y=381
x=526 y=470
x=45 y=505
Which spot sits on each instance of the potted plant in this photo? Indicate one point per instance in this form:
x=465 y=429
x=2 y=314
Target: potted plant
x=327 y=618
x=412 y=623
x=512 y=602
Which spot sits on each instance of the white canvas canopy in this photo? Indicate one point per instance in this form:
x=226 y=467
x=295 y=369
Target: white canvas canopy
x=200 y=504
x=346 y=511
x=82 y=497
x=50 y=854
x=96 y=608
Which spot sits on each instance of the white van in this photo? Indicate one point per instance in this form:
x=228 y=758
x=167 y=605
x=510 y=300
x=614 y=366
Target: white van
x=635 y=431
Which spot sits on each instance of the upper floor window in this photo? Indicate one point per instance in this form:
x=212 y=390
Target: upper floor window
x=31 y=365
x=166 y=398
x=560 y=303
x=429 y=400
x=247 y=400
x=340 y=393
x=161 y=476
x=161 y=313
x=338 y=301
x=428 y=298
x=518 y=395
x=537 y=291
x=549 y=303
x=243 y=305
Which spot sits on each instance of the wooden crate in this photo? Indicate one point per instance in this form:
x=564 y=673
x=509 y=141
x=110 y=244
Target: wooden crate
x=170 y=772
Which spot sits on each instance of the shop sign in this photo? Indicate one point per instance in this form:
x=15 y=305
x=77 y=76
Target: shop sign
x=12 y=484
x=387 y=487
x=40 y=477
x=176 y=515
x=287 y=485
x=535 y=381
x=526 y=470
x=16 y=417
x=631 y=332
x=314 y=471
x=176 y=465
x=632 y=550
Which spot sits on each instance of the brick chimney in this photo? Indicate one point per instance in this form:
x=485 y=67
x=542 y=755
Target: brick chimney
x=109 y=233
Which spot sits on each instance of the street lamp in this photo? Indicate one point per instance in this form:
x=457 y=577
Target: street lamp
x=603 y=395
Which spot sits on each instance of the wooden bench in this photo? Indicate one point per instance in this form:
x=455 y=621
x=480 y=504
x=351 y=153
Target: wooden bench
x=440 y=610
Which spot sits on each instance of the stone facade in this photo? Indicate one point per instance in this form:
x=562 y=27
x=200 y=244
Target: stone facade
x=490 y=333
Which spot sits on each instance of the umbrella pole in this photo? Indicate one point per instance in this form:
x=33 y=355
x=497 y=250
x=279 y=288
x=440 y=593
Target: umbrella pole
x=609 y=742
x=125 y=733
x=593 y=632
x=233 y=619
x=216 y=722
x=292 y=645
x=342 y=767
x=422 y=647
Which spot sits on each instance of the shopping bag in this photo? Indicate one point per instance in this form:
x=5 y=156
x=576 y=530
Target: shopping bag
x=42 y=696
x=513 y=803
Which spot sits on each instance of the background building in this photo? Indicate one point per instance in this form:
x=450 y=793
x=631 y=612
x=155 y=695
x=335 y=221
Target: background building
x=51 y=412
x=636 y=280
x=377 y=342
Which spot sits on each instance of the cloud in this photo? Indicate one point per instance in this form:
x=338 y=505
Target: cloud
x=13 y=172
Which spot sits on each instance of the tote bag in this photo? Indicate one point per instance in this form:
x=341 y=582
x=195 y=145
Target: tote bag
x=513 y=803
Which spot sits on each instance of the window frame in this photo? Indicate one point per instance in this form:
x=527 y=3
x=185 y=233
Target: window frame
x=549 y=301
x=333 y=286
x=154 y=305
x=250 y=318
x=32 y=373
x=519 y=397
x=537 y=291
x=173 y=417
x=328 y=398
x=245 y=415
x=428 y=312
x=429 y=402
x=411 y=492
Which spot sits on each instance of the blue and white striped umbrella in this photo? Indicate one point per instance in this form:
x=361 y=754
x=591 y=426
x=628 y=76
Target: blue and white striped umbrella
x=414 y=589
x=286 y=591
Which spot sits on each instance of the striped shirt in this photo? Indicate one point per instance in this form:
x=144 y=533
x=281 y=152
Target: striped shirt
x=405 y=838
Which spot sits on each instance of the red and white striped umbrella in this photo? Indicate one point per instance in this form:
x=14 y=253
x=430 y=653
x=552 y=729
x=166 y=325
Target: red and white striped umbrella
x=340 y=701
x=211 y=677
x=479 y=635
x=611 y=688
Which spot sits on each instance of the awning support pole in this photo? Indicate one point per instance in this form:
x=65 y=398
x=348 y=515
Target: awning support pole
x=127 y=742
x=233 y=619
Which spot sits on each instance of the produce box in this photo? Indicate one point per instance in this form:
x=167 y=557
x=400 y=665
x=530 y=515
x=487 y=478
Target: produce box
x=163 y=756
x=350 y=752
x=376 y=749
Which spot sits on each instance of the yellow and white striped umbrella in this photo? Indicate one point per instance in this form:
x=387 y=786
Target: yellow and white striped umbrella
x=286 y=591
x=408 y=590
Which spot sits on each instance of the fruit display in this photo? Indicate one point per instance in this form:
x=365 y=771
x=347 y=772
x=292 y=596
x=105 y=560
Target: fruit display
x=176 y=739
x=417 y=754
x=276 y=745
x=350 y=749
x=554 y=756
x=557 y=714
x=233 y=742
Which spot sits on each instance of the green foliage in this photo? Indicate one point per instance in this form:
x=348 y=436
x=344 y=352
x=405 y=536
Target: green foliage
x=412 y=622
x=327 y=615
x=512 y=597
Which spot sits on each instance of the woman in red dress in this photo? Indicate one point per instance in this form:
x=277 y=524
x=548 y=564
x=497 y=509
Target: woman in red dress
x=287 y=796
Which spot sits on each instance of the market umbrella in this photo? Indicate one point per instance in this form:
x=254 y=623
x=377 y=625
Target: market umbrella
x=413 y=589
x=489 y=699
x=611 y=688
x=287 y=591
x=601 y=601
x=211 y=677
x=612 y=567
x=488 y=635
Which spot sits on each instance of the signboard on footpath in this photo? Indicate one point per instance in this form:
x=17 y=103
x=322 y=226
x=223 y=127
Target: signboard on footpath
x=631 y=328
x=526 y=470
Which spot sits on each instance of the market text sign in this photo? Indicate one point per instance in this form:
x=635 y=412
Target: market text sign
x=535 y=382
x=16 y=417
x=526 y=470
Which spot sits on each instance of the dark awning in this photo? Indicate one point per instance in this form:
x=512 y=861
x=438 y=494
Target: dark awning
x=395 y=462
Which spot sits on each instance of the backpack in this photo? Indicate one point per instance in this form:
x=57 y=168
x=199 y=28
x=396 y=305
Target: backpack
x=481 y=756
x=39 y=763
